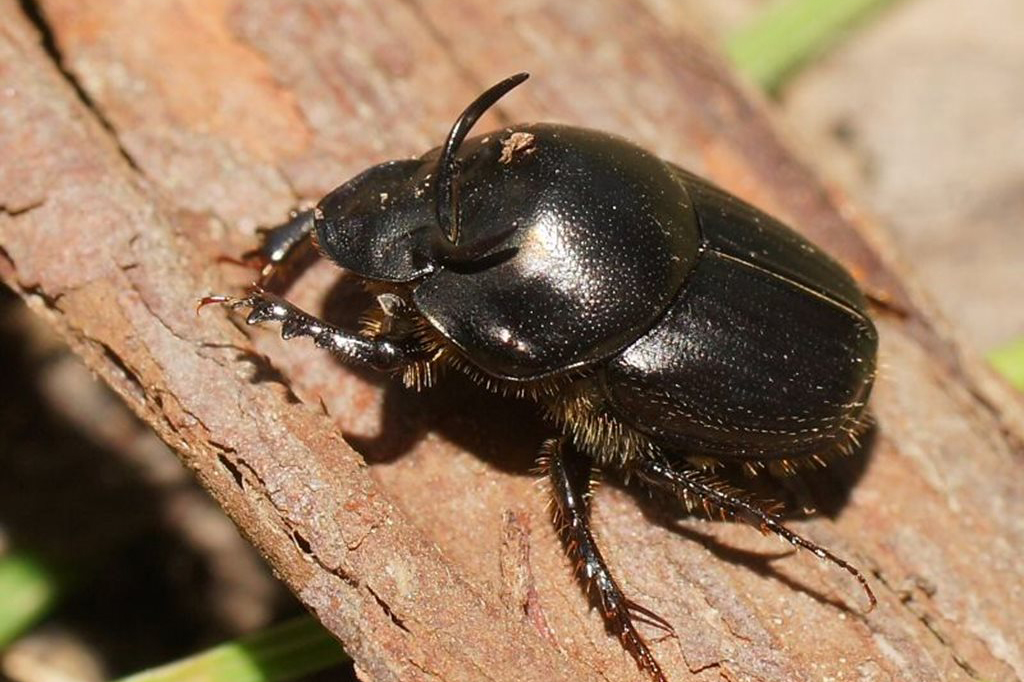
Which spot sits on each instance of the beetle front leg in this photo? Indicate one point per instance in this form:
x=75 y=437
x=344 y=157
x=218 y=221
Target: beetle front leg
x=699 y=485
x=570 y=482
x=380 y=353
x=281 y=243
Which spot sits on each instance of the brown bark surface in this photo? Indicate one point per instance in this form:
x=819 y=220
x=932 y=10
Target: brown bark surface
x=142 y=139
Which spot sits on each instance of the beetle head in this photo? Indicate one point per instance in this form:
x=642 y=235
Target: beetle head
x=399 y=221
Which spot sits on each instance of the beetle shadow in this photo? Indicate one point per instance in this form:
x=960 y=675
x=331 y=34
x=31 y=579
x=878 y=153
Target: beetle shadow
x=760 y=563
x=506 y=433
x=265 y=372
x=824 y=490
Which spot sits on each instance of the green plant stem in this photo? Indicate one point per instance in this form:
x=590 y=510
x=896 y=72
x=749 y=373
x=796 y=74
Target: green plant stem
x=789 y=32
x=296 y=647
x=29 y=588
x=1009 y=361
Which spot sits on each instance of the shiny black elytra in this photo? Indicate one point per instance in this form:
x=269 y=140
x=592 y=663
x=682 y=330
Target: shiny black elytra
x=665 y=326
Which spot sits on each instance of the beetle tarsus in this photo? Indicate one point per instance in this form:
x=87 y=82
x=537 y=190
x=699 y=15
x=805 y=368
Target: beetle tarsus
x=570 y=482
x=690 y=482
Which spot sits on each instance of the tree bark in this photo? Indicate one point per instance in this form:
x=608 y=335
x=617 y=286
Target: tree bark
x=143 y=139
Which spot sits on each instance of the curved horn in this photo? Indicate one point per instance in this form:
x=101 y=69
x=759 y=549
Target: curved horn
x=447 y=164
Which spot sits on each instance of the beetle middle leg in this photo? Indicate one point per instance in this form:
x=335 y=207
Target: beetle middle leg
x=682 y=483
x=570 y=473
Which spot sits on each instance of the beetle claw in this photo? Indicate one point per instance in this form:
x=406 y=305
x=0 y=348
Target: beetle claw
x=644 y=615
x=213 y=298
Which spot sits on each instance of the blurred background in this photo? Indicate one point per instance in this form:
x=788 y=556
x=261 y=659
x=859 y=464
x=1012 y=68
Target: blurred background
x=914 y=107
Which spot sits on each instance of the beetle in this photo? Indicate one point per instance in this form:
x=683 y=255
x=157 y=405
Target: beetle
x=665 y=326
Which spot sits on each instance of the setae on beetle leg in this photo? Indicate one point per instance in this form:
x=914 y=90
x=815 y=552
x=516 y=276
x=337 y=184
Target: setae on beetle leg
x=690 y=482
x=570 y=482
x=380 y=353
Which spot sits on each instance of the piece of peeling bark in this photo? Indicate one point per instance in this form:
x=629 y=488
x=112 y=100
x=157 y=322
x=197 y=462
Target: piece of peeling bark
x=207 y=118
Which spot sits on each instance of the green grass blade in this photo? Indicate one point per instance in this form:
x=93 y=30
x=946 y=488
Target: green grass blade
x=1009 y=361
x=282 y=652
x=789 y=33
x=29 y=588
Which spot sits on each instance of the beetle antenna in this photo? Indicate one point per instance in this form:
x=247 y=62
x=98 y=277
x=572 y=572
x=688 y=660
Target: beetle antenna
x=448 y=166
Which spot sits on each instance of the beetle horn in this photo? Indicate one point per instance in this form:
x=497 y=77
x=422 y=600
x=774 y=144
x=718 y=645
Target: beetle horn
x=447 y=164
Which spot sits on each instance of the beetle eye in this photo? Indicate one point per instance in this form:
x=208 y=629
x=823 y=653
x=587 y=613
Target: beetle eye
x=448 y=165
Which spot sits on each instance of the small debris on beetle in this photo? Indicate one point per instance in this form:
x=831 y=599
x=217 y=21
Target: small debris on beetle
x=514 y=144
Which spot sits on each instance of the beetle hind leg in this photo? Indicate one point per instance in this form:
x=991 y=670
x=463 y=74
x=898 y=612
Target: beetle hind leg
x=690 y=483
x=570 y=476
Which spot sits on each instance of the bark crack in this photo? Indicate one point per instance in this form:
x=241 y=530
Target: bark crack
x=908 y=600
x=35 y=14
x=388 y=611
x=16 y=210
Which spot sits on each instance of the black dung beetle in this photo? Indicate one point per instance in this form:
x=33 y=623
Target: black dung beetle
x=665 y=326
